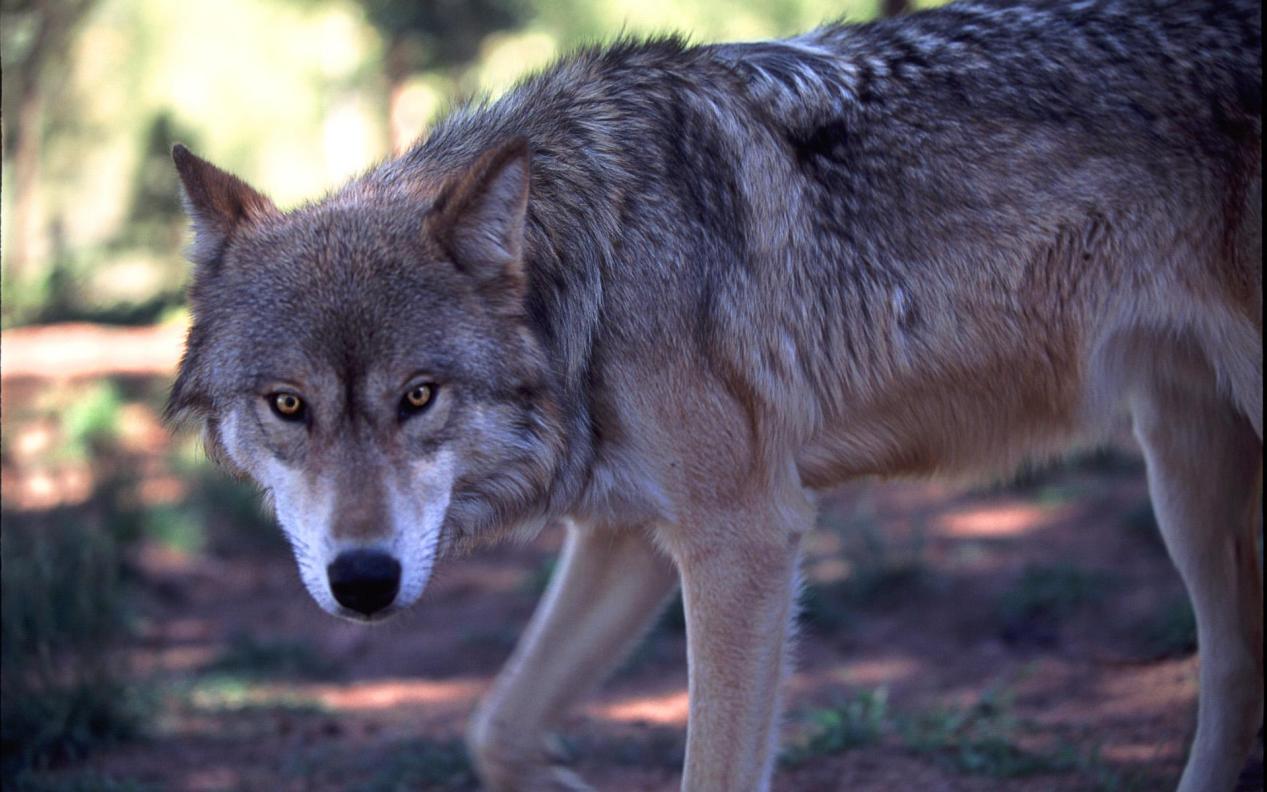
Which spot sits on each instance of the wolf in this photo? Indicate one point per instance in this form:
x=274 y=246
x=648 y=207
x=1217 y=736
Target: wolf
x=664 y=293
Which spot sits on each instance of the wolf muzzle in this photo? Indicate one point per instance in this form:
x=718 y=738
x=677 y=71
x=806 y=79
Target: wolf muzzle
x=365 y=581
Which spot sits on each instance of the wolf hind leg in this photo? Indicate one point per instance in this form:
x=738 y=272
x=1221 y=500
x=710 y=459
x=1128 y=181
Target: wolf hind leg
x=604 y=595
x=1205 y=468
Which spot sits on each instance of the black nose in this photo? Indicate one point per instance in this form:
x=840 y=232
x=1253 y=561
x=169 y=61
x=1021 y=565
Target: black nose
x=365 y=581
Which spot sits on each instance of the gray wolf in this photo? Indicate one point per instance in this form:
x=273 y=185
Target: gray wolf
x=666 y=292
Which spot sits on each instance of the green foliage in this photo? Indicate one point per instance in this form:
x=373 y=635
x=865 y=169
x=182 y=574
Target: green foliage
x=435 y=34
x=302 y=100
x=106 y=285
x=243 y=694
x=90 y=422
x=156 y=217
x=63 y=611
x=174 y=527
x=136 y=274
x=29 y=299
x=232 y=515
x=229 y=514
x=850 y=724
x=984 y=738
x=127 y=520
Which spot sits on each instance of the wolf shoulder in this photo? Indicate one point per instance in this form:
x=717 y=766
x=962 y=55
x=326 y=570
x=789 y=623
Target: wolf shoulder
x=1012 y=119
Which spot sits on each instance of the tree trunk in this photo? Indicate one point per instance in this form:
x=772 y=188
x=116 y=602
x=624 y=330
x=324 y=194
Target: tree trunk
x=397 y=69
x=892 y=8
x=55 y=22
x=24 y=167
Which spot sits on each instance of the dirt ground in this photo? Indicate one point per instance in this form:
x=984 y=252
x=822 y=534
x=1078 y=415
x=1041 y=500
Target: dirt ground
x=1028 y=636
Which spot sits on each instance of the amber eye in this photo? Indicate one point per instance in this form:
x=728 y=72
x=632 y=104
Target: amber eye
x=416 y=399
x=287 y=405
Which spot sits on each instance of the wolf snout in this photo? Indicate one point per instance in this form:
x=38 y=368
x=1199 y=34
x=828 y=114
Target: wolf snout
x=364 y=581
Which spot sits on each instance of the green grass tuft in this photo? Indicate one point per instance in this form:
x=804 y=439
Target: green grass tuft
x=63 y=610
x=236 y=694
x=849 y=724
x=982 y=739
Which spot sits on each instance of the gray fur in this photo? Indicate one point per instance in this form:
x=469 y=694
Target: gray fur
x=913 y=246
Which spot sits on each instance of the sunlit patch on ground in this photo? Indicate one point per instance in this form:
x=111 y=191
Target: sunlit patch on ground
x=879 y=672
x=668 y=709
x=212 y=778
x=382 y=695
x=43 y=489
x=998 y=521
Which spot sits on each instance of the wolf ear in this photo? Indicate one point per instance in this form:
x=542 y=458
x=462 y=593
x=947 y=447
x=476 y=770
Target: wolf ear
x=479 y=217
x=217 y=203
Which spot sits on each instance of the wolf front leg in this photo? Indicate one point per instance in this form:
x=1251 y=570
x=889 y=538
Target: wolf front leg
x=608 y=587
x=738 y=593
x=1205 y=468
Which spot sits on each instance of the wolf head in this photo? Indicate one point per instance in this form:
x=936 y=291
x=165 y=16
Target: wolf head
x=368 y=361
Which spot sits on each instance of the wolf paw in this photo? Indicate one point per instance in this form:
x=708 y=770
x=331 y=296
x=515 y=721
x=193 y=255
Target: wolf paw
x=539 y=778
x=554 y=779
x=505 y=767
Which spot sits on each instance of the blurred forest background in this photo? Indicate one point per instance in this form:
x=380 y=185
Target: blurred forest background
x=297 y=95
x=155 y=634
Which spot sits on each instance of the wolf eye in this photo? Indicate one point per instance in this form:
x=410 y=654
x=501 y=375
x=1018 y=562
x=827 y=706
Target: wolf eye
x=416 y=399
x=288 y=406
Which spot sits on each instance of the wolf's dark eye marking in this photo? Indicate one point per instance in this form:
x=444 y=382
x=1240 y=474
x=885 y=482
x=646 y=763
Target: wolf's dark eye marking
x=288 y=406
x=416 y=399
